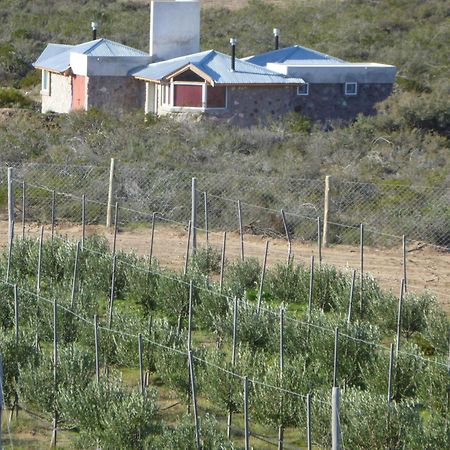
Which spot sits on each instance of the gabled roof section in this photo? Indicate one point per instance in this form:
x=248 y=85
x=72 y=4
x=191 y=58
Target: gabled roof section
x=215 y=67
x=295 y=55
x=56 y=57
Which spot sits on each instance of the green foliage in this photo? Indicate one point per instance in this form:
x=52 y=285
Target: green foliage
x=243 y=276
x=12 y=98
x=206 y=260
x=182 y=436
x=111 y=415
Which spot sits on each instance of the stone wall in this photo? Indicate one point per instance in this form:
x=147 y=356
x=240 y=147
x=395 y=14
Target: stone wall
x=115 y=94
x=328 y=102
x=60 y=97
x=325 y=102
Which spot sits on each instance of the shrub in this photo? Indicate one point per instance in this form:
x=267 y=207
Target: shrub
x=13 y=98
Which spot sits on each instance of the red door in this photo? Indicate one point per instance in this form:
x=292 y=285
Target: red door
x=78 y=92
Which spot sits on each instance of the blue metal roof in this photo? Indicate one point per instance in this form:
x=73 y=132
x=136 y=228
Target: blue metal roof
x=217 y=66
x=56 y=57
x=295 y=55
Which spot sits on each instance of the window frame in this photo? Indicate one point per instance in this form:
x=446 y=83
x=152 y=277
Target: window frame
x=303 y=93
x=46 y=82
x=203 y=108
x=351 y=83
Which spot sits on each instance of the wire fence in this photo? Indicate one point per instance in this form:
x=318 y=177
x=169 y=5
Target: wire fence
x=389 y=209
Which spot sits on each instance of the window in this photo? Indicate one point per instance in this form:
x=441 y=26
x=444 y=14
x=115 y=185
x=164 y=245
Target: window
x=188 y=95
x=216 y=97
x=351 y=88
x=46 y=82
x=165 y=94
x=303 y=89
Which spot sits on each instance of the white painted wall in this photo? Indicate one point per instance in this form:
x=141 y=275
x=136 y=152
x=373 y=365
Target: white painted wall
x=339 y=73
x=108 y=66
x=60 y=98
x=174 y=29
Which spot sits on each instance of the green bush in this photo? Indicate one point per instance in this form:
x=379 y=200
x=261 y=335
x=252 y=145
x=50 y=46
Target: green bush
x=13 y=98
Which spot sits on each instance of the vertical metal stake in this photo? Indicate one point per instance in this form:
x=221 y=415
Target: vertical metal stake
x=288 y=236
x=186 y=260
x=189 y=337
x=241 y=229
x=194 y=215
x=404 y=245
x=222 y=260
x=194 y=401
x=152 y=237
x=319 y=240
x=311 y=288
x=97 y=350
x=361 y=262
x=75 y=276
x=83 y=220
x=53 y=214
x=399 y=314
x=10 y=204
x=112 y=292
x=350 y=302
x=391 y=367
x=246 y=421
x=55 y=372
x=23 y=209
x=335 y=357
x=335 y=426
x=116 y=226
x=263 y=275
x=205 y=195
x=110 y=194
x=308 y=422
x=141 y=366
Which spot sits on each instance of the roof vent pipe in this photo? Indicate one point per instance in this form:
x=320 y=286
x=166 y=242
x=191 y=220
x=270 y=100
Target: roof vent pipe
x=276 y=33
x=94 y=30
x=233 y=42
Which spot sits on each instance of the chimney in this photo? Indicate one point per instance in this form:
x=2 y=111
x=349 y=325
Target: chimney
x=233 y=42
x=94 y=30
x=276 y=33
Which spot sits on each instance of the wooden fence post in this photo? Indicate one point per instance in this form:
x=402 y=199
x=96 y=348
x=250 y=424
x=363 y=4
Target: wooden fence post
x=326 y=209
x=110 y=194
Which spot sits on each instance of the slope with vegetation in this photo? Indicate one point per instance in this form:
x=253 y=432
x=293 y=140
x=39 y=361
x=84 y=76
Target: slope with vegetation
x=407 y=141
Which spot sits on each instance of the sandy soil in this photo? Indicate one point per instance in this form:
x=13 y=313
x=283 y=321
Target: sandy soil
x=426 y=267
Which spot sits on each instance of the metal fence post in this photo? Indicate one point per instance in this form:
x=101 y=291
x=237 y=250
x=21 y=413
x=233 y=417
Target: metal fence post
x=326 y=208
x=308 y=422
x=335 y=425
x=97 y=350
x=241 y=229
x=194 y=401
x=10 y=204
x=246 y=421
x=110 y=194
x=222 y=260
x=399 y=315
x=194 y=215
x=263 y=275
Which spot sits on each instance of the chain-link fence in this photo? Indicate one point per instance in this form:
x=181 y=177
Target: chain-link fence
x=388 y=210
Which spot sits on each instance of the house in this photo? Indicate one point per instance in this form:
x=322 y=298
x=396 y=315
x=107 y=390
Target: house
x=333 y=88
x=176 y=77
x=220 y=85
x=92 y=74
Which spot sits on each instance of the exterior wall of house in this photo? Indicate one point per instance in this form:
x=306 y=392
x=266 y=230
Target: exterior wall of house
x=115 y=94
x=328 y=102
x=59 y=98
x=325 y=102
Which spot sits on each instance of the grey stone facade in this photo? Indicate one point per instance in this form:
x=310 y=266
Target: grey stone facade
x=325 y=102
x=115 y=94
x=59 y=98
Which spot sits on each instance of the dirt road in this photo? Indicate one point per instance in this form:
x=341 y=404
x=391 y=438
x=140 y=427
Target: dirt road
x=426 y=267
